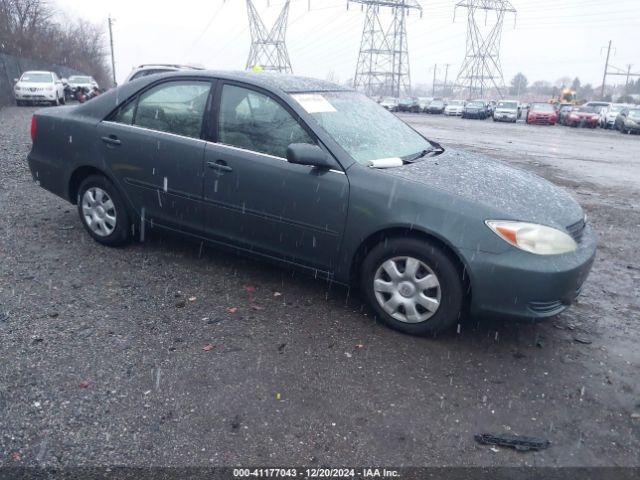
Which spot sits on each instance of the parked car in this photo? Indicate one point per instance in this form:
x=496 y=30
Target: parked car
x=409 y=105
x=507 y=111
x=82 y=81
x=423 y=103
x=628 y=120
x=38 y=87
x=390 y=103
x=542 y=114
x=476 y=109
x=436 y=107
x=609 y=114
x=156 y=68
x=583 y=117
x=564 y=111
x=454 y=108
x=430 y=231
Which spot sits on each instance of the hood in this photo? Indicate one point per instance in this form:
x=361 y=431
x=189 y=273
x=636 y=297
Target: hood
x=513 y=193
x=506 y=110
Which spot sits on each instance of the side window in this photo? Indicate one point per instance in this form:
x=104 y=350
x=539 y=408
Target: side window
x=125 y=113
x=256 y=122
x=173 y=107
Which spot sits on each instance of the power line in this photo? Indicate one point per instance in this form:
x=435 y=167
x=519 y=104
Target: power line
x=383 y=62
x=481 y=69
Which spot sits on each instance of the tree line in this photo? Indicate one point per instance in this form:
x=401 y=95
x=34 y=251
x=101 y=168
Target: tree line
x=520 y=85
x=36 y=29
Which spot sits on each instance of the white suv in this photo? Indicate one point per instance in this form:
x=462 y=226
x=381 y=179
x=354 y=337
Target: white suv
x=146 y=70
x=39 y=87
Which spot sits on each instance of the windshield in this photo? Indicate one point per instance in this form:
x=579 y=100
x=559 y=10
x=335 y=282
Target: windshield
x=507 y=105
x=361 y=127
x=456 y=103
x=616 y=108
x=437 y=103
x=475 y=104
x=634 y=113
x=80 y=79
x=389 y=100
x=542 y=107
x=588 y=109
x=36 y=78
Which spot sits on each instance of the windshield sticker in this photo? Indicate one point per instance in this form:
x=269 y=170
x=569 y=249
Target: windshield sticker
x=314 y=103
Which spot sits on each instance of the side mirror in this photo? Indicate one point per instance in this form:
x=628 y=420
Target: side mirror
x=16 y=80
x=307 y=154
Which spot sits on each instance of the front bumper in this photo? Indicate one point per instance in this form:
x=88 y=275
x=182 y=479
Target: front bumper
x=468 y=114
x=505 y=117
x=44 y=96
x=521 y=285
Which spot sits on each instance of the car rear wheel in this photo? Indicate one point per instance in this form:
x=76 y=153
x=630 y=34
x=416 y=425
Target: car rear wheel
x=103 y=212
x=412 y=286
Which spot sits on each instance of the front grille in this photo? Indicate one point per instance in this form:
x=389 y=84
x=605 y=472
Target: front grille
x=577 y=230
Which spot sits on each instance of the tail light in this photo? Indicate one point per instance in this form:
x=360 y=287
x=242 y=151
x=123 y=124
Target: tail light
x=33 y=128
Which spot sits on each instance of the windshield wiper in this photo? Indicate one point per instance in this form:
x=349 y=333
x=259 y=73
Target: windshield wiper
x=414 y=158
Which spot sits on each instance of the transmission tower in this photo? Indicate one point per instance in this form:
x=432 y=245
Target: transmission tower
x=268 y=48
x=481 y=70
x=383 y=62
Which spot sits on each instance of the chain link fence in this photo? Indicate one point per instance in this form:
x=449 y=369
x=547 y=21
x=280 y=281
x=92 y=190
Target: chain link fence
x=12 y=67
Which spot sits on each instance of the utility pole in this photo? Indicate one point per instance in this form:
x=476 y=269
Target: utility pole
x=481 y=69
x=435 y=72
x=606 y=70
x=113 y=58
x=268 y=47
x=383 y=62
x=446 y=77
x=626 y=84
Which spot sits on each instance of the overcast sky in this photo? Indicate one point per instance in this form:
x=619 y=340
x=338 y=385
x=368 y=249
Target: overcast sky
x=549 y=39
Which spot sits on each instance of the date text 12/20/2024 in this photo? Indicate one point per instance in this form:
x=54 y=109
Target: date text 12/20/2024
x=315 y=473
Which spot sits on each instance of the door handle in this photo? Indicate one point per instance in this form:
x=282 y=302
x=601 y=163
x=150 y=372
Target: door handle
x=112 y=140
x=220 y=165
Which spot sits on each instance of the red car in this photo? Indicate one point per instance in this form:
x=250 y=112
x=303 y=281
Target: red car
x=542 y=114
x=583 y=117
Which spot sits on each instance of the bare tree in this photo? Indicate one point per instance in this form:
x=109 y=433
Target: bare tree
x=29 y=29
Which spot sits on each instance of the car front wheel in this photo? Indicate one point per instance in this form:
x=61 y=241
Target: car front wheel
x=103 y=211
x=413 y=286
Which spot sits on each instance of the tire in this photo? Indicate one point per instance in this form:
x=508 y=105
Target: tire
x=437 y=263
x=105 y=232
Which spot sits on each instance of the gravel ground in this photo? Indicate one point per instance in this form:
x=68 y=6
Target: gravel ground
x=104 y=357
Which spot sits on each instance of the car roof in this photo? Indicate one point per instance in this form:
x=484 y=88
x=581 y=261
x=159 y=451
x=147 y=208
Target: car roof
x=36 y=71
x=276 y=82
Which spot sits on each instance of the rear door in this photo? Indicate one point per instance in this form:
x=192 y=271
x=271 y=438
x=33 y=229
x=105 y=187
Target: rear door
x=257 y=199
x=154 y=146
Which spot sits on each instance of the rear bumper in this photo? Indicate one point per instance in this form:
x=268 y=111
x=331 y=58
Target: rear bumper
x=521 y=285
x=474 y=114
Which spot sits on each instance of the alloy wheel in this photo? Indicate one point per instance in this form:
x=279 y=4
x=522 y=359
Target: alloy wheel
x=407 y=289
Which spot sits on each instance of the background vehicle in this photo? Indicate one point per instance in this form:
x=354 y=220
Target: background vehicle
x=564 y=111
x=598 y=105
x=583 y=117
x=609 y=114
x=423 y=103
x=454 y=108
x=436 y=106
x=389 y=103
x=39 y=87
x=154 y=69
x=628 y=120
x=82 y=81
x=507 y=111
x=542 y=114
x=409 y=105
x=450 y=231
x=476 y=109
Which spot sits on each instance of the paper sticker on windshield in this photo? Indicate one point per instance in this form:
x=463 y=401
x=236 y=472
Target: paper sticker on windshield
x=314 y=103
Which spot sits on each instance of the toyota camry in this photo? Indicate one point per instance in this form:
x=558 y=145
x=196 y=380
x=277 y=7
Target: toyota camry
x=321 y=178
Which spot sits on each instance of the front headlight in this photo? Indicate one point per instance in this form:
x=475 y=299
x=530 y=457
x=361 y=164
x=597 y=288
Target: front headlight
x=532 y=238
